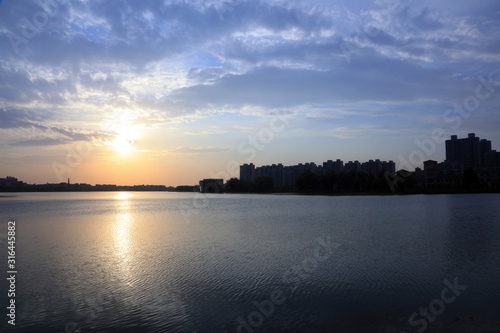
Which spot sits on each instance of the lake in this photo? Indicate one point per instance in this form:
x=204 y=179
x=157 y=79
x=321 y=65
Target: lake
x=188 y=262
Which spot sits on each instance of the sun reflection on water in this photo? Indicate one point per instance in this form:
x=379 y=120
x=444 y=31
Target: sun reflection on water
x=123 y=195
x=123 y=237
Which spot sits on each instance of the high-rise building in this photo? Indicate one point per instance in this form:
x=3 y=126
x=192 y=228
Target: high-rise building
x=277 y=173
x=247 y=172
x=466 y=151
x=288 y=175
x=274 y=171
x=374 y=167
x=352 y=166
x=389 y=166
x=371 y=167
x=336 y=166
x=484 y=148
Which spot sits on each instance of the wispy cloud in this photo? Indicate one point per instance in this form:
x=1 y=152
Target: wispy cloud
x=199 y=150
x=39 y=142
x=207 y=132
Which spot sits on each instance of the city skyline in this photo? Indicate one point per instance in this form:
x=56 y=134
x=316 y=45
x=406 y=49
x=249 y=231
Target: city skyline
x=174 y=92
x=470 y=152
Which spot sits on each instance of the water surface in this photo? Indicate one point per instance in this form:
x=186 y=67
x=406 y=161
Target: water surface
x=185 y=262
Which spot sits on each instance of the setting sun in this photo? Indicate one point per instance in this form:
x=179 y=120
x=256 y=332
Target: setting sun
x=122 y=144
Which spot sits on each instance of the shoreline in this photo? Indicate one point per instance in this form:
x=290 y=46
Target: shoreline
x=10 y=194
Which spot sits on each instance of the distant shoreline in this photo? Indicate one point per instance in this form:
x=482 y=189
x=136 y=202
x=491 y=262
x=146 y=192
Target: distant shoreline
x=369 y=193
x=10 y=194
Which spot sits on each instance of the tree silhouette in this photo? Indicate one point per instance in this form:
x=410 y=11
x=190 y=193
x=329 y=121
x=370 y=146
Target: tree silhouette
x=264 y=184
x=470 y=178
x=308 y=182
x=234 y=185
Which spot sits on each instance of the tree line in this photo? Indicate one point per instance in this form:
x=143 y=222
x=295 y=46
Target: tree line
x=309 y=182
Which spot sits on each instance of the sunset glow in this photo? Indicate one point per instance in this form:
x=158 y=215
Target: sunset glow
x=122 y=145
x=174 y=92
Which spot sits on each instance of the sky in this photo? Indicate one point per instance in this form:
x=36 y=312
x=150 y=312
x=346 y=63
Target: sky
x=171 y=92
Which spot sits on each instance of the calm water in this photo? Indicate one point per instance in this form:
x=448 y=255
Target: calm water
x=168 y=262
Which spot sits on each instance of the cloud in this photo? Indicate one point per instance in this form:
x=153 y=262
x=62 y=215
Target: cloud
x=138 y=32
x=41 y=130
x=425 y=21
x=349 y=133
x=207 y=132
x=184 y=61
x=205 y=75
x=39 y=142
x=99 y=43
x=367 y=131
x=199 y=150
x=371 y=79
x=15 y=118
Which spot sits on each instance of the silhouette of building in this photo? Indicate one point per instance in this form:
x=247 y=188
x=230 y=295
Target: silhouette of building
x=389 y=166
x=104 y=187
x=375 y=167
x=470 y=151
x=10 y=181
x=492 y=159
x=278 y=174
x=484 y=148
x=419 y=176
x=449 y=173
x=288 y=175
x=336 y=166
x=430 y=173
x=490 y=176
x=275 y=171
x=352 y=166
x=247 y=172
x=292 y=173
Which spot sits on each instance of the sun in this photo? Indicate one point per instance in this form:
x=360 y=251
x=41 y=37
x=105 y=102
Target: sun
x=122 y=144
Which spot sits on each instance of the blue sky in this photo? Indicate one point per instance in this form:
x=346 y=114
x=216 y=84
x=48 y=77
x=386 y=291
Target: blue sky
x=164 y=92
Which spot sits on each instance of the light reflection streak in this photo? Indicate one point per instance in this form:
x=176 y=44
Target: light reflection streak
x=123 y=195
x=122 y=235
